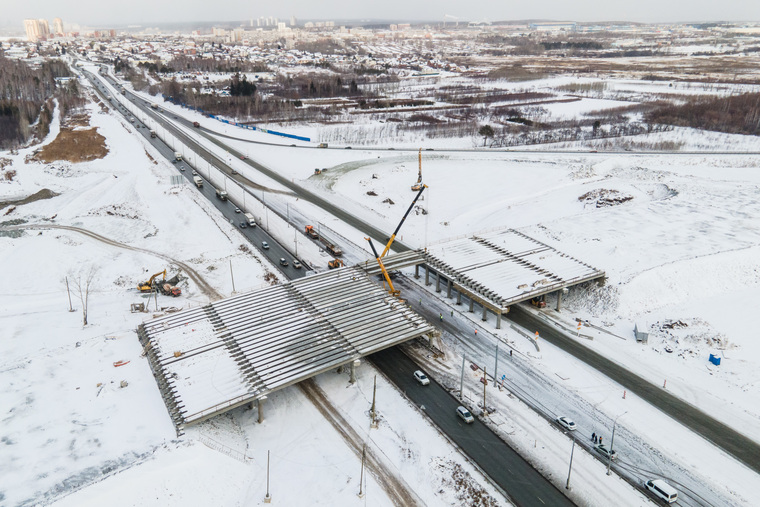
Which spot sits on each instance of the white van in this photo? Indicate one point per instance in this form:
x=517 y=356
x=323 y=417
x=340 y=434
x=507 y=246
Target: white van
x=662 y=490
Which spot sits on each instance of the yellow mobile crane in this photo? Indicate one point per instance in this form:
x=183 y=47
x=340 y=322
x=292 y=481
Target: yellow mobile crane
x=393 y=236
x=418 y=185
x=392 y=290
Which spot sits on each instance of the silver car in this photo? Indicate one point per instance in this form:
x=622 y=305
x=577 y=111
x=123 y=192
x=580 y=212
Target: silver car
x=465 y=415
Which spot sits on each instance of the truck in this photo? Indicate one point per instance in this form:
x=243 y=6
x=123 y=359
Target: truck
x=198 y=181
x=311 y=232
x=333 y=249
x=251 y=221
x=152 y=133
x=177 y=156
x=154 y=106
x=221 y=194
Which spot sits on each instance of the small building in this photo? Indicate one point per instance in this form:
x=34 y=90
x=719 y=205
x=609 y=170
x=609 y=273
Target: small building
x=641 y=332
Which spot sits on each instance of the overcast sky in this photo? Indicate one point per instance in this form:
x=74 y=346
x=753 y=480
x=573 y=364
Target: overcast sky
x=100 y=13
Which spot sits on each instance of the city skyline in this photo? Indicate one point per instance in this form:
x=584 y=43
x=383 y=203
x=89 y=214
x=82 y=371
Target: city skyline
x=141 y=12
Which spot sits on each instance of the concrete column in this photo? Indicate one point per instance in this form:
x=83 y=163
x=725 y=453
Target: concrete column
x=340 y=369
x=427 y=275
x=472 y=308
x=260 y=405
x=459 y=297
x=485 y=313
x=448 y=289
x=352 y=378
x=559 y=300
x=498 y=320
x=417 y=271
x=438 y=282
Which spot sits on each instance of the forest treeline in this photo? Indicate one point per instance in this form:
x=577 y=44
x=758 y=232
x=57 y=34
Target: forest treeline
x=25 y=98
x=738 y=114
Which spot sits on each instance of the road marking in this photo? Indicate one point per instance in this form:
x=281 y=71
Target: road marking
x=541 y=500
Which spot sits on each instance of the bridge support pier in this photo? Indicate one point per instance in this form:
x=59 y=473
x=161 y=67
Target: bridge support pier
x=427 y=276
x=485 y=313
x=459 y=297
x=417 y=271
x=260 y=407
x=352 y=377
x=498 y=320
x=472 y=307
x=559 y=300
x=438 y=282
x=448 y=289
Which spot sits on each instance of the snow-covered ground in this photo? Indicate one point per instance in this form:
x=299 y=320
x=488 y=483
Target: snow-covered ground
x=683 y=249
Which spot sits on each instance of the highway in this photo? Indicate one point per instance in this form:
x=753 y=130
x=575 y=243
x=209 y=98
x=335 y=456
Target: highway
x=737 y=445
x=714 y=431
x=523 y=484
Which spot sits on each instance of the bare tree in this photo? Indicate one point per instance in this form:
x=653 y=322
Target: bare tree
x=83 y=282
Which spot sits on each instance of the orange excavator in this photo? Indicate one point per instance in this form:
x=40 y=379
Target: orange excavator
x=148 y=286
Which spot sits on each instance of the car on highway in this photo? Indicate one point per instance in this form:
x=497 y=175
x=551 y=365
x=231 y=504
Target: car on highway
x=283 y=262
x=234 y=172
x=465 y=415
x=243 y=157
x=195 y=173
x=243 y=225
x=265 y=245
x=237 y=210
x=296 y=264
x=421 y=378
x=181 y=168
x=601 y=449
x=566 y=423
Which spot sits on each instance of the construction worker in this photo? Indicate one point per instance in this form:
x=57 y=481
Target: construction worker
x=440 y=315
x=452 y=313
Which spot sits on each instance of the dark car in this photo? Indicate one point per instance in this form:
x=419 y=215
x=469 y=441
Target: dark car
x=243 y=225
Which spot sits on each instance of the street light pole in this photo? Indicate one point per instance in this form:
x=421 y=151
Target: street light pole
x=612 y=441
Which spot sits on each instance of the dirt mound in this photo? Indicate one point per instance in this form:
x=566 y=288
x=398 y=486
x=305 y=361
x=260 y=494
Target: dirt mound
x=603 y=198
x=42 y=194
x=79 y=145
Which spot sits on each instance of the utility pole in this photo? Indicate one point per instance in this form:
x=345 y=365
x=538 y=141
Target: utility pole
x=268 y=498
x=567 y=486
x=461 y=381
x=373 y=414
x=361 y=476
x=485 y=384
x=612 y=441
x=496 y=366
x=233 y=277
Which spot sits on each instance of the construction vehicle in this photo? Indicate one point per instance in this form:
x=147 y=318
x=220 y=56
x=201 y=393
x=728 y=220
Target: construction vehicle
x=333 y=249
x=169 y=290
x=148 y=286
x=335 y=263
x=539 y=301
x=417 y=186
x=391 y=290
x=221 y=194
x=393 y=236
x=317 y=171
x=311 y=232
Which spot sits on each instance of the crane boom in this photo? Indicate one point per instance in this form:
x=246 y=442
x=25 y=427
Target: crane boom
x=392 y=290
x=393 y=236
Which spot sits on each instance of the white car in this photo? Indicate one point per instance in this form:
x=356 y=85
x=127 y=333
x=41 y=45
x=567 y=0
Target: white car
x=465 y=415
x=601 y=449
x=421 y=378
x=296 y=264
x=265 y=245
x=566 y=423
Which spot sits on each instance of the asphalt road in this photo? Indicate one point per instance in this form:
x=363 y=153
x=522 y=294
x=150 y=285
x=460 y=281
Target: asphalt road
x=256 y=235
x=734 y=443
x=523 y=483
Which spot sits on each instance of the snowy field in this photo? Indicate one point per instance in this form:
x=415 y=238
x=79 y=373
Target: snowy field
x=677 y=235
